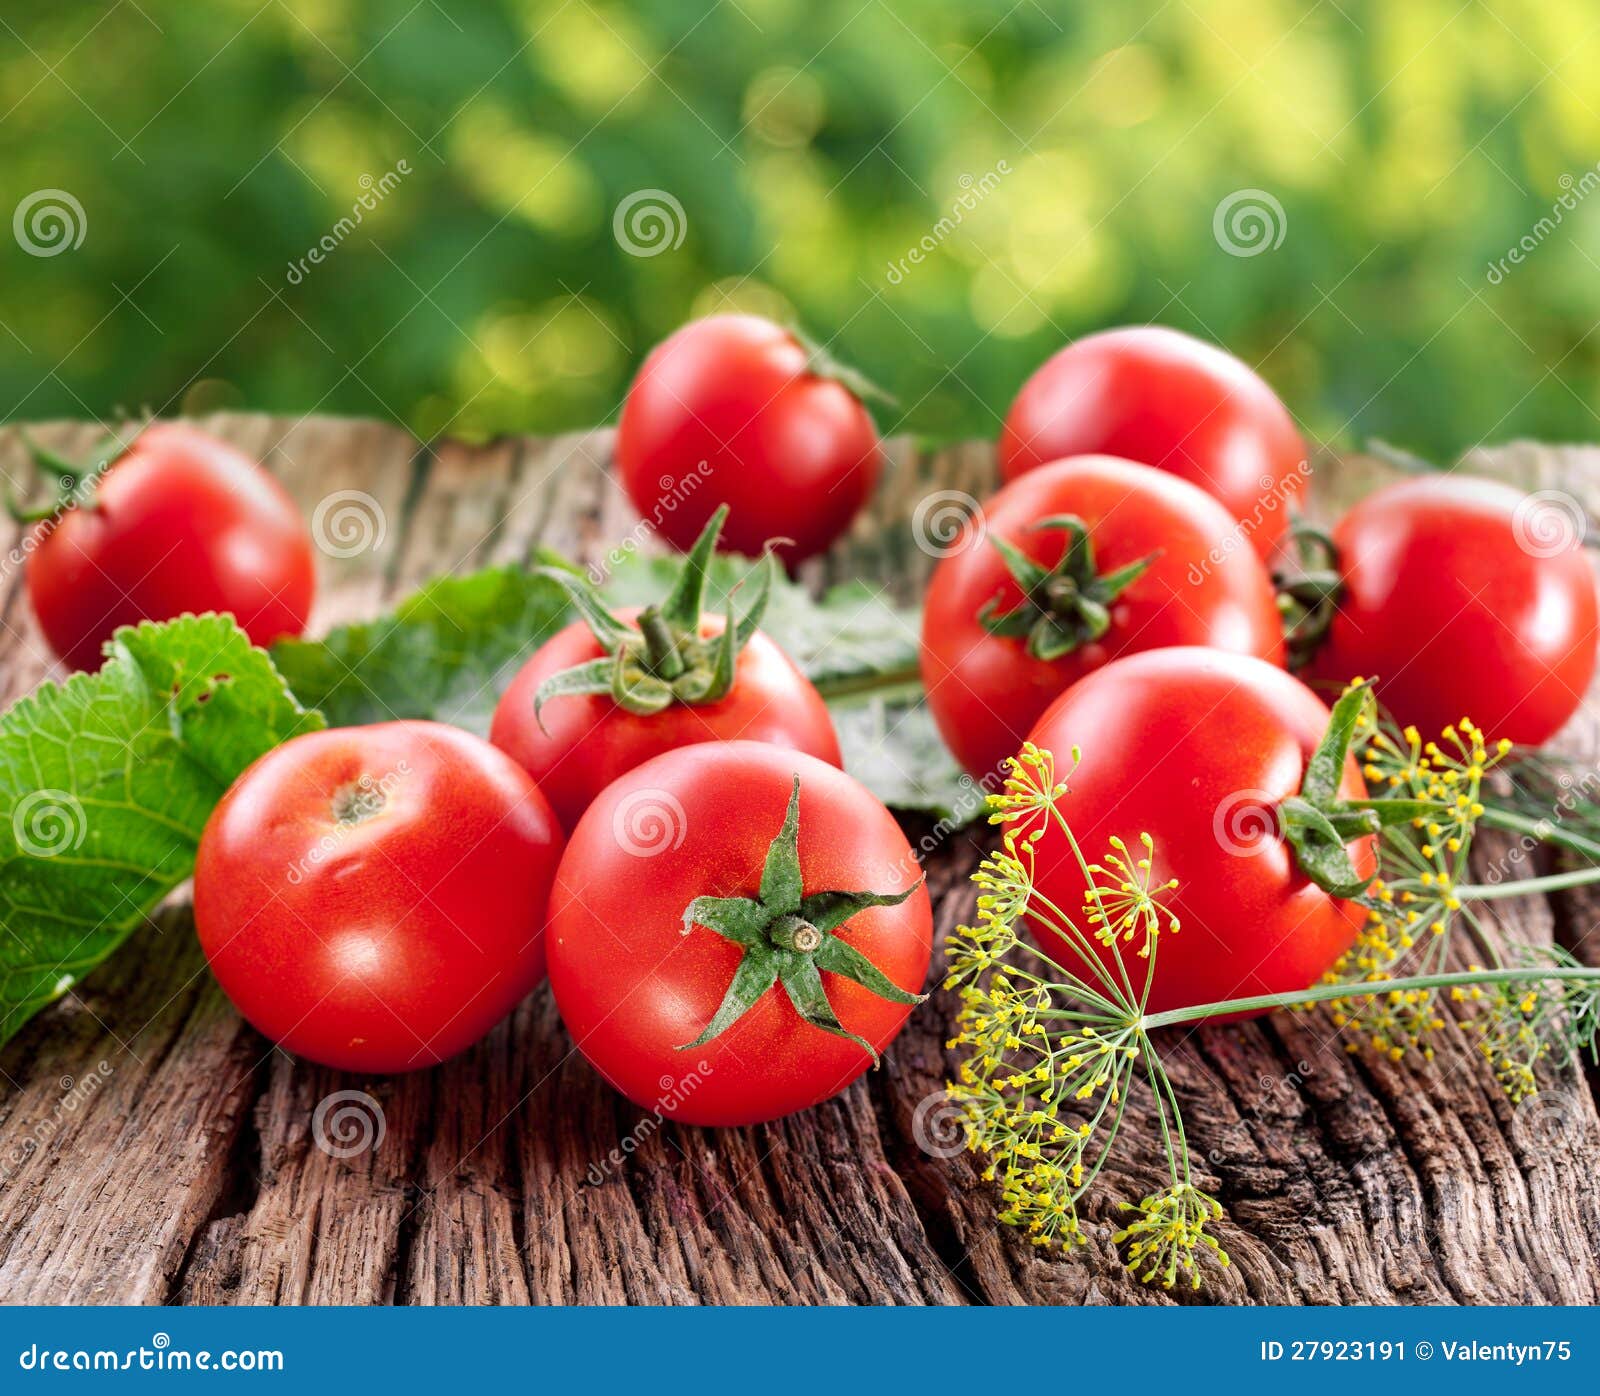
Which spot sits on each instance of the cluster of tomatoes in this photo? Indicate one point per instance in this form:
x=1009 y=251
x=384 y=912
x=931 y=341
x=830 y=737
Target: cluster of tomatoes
x=734 y=928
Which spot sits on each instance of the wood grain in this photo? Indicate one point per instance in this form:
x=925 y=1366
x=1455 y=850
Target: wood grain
x=154 y=1149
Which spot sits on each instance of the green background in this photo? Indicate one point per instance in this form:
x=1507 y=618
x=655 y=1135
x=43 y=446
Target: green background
x=809 y=144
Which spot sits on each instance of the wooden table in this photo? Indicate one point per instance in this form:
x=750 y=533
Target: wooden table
x=188 y=1173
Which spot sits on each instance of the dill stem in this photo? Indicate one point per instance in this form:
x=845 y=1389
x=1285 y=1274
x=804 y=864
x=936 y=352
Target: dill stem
x=1492 y=891
x=1545 y=830
x=1322 y=992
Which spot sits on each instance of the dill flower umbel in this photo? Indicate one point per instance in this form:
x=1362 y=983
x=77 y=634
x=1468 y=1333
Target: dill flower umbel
x=1168 y=1232
x=1051 y=1055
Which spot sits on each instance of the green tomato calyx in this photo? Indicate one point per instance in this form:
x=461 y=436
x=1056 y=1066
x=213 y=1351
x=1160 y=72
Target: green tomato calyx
x=1308 y=595
x=662 y=658
x=788 y=938
x=72 y=483
x=1318 y=825
x=1063 y=607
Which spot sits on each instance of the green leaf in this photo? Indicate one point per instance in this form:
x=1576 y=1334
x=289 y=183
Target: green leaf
x=894 y=749
x=446 y=654
x=106 y=782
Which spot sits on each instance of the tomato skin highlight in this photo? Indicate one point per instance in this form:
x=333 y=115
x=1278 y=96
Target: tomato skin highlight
x=393 y=942
x=1161 y=397
x=1454 y=617
x=181 y=523
x=588 y=741
x=632 y=987
x=728 y=411
x=1194 y=747
x=986 y=691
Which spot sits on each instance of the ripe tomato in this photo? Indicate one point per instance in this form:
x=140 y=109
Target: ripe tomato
x=610 y=691
x=993 y=656
x=712 y=950
x=1197 y=748
x=374 y=898
x=180 y=522
x=736 y=410
x=1154 y=395
x=1464 y=598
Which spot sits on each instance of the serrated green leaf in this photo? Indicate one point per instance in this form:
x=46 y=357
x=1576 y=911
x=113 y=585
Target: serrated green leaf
x=446 y=654
x=106 y=782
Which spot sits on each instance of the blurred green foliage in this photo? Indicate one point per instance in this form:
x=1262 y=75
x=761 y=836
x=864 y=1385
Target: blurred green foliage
x=811 y=144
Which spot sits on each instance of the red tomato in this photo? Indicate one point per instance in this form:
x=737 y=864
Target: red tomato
x=374 y=898
x=735 y=410
x=1154 y=395
x=181 y=522
x=1204 y=586
x=634 y=986
x=587 y=740
x=1196 y=748
x=1465 y=598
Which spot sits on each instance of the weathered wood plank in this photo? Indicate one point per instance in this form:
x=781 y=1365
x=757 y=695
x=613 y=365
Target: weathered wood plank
x=191 y=1168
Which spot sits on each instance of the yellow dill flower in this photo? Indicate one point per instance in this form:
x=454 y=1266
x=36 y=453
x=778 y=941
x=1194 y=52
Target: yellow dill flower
x=1167 y=1234
x=1120 y=900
